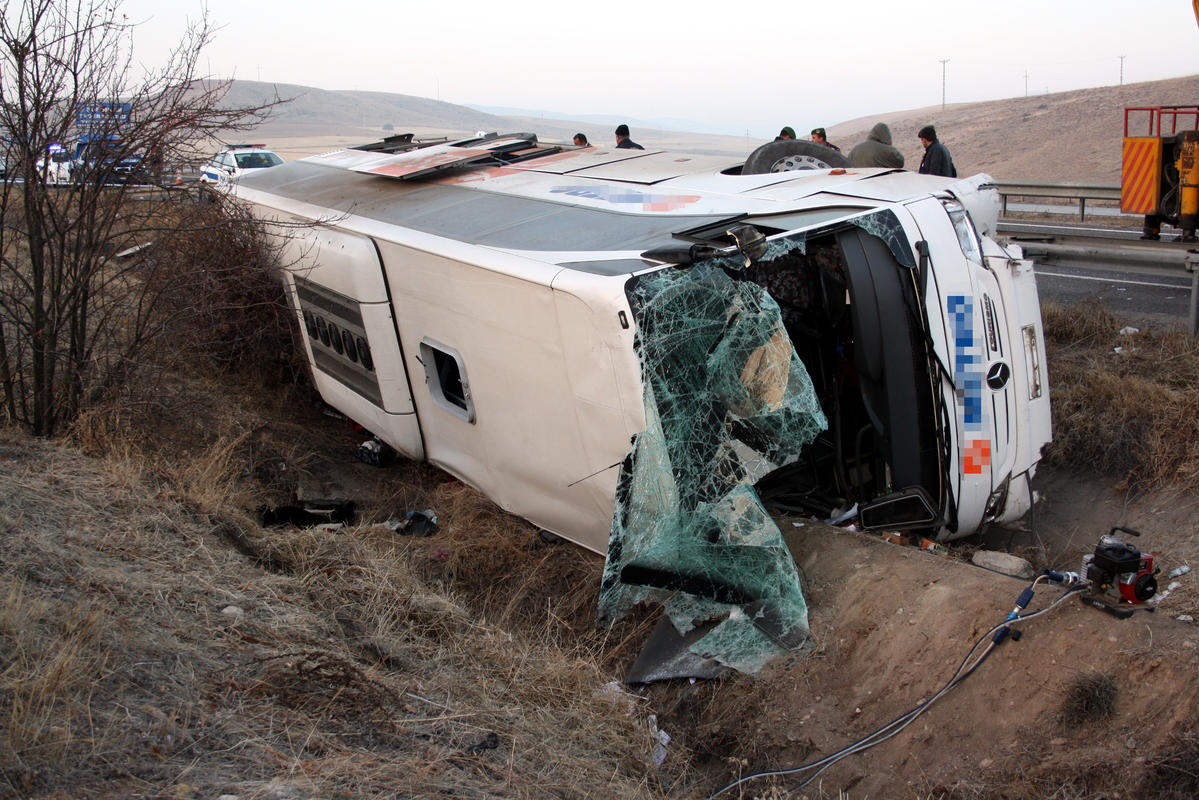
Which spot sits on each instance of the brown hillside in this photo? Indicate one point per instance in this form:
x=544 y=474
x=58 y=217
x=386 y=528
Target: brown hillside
x=1067 y=136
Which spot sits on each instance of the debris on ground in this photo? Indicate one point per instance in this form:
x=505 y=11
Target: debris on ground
x=1004 y=563
x=414 y=523
x=311 y=514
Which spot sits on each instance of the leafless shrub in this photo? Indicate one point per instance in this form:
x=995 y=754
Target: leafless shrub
x=75 y=319
x=221 y=293
x=1090 y=698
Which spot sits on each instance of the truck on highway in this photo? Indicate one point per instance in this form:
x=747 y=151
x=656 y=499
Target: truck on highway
x=516 y=313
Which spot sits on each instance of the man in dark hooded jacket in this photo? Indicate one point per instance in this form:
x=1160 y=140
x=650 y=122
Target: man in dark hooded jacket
x=936 y=159
x=877 y=150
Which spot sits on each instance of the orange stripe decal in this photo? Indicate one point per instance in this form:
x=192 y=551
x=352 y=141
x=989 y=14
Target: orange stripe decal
x=1140 y=175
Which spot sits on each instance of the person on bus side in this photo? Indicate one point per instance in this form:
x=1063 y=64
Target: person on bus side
x=623 y=142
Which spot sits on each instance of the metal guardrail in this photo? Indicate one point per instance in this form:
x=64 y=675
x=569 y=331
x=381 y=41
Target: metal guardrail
x=1079 y=192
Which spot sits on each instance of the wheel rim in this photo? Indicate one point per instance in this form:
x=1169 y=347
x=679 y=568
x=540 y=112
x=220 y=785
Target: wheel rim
x=794 y=162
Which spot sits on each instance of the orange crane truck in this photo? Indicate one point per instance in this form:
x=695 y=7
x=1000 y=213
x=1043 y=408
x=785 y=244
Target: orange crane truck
x=1159 y=175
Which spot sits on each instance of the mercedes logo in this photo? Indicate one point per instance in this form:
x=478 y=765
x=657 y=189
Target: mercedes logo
x=998 y=374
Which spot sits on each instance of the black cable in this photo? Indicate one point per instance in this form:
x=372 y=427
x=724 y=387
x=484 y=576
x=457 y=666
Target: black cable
x=903 y=720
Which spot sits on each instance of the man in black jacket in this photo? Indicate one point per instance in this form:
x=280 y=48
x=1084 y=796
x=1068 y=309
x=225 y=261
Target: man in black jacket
x=623 y=142
x=937 y=160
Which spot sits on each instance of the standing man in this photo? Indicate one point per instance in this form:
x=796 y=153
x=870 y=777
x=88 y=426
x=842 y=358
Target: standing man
x=877 y=150
x=623 y=142
x=819 y=137
x=936 y=159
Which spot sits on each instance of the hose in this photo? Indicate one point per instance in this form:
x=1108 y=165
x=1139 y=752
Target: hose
x=997 y=634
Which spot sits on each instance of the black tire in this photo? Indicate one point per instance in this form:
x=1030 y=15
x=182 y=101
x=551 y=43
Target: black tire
x=792 y=154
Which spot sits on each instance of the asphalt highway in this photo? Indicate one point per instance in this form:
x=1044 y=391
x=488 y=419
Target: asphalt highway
x=1140 y=282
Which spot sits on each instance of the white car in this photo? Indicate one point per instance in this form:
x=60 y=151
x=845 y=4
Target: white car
x=237 y=160
x=57 y=166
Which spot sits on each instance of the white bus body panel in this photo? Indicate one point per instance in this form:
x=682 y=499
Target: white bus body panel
x=502 y=363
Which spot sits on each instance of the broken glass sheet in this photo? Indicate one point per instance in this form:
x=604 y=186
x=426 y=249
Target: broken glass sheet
x=886 y=226
x=726 y=400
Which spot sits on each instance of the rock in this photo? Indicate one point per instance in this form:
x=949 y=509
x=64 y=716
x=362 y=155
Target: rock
x=1006 y=563
x=234 y=613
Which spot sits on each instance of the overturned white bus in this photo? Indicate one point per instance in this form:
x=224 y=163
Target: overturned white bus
x=474 y=304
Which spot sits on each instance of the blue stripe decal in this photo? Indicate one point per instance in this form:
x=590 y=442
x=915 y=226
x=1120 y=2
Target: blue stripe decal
x=967 y=362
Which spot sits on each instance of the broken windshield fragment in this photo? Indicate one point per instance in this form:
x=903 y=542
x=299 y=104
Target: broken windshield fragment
x=726 y=400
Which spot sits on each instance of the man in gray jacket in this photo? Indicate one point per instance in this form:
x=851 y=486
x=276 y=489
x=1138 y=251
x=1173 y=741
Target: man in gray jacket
x=877 y=150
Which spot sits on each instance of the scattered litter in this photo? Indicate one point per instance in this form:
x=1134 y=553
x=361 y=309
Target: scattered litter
x=614 y=692
x=797 y=524
x=661 y=739
x=1128 y=329
x=331 y=514
x=414 y=523
x=892 y=537
x=935 y=547
x=1178 y=571
x=1185 y=618
x=376 y=452
x=488 y=742
x=1117 y=349
x=848 y=514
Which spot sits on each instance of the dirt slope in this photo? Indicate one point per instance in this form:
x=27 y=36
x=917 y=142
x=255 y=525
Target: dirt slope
x=152 y=646
x=892 y=624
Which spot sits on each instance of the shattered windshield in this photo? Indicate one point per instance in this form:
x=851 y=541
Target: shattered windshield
x=886 y=226
x=727 y=400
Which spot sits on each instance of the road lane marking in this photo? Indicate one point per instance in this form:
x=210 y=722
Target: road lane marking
x=1112 y=280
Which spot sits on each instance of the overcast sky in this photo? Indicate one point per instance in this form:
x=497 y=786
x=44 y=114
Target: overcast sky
x=748 y=65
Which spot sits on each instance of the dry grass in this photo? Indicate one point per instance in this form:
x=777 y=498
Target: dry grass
x=1123 y=404
x=47 y=666
x=139 y=652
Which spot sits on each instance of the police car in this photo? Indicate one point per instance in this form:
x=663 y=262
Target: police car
x=237 y=160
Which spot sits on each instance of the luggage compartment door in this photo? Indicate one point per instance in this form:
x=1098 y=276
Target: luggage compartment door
x=337 y=287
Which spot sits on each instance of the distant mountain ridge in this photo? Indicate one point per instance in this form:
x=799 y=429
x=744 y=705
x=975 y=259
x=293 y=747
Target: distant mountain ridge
x=1066 y=136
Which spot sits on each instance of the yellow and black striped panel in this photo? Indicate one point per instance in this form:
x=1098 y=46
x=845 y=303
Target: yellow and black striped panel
x=1140 y=178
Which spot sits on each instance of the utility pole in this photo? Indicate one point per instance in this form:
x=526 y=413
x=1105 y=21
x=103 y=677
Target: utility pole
x=943 y=61
x=1121 y=70
x=1026 y=83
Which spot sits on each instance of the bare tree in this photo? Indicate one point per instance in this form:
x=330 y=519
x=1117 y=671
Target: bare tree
x=74 y=319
